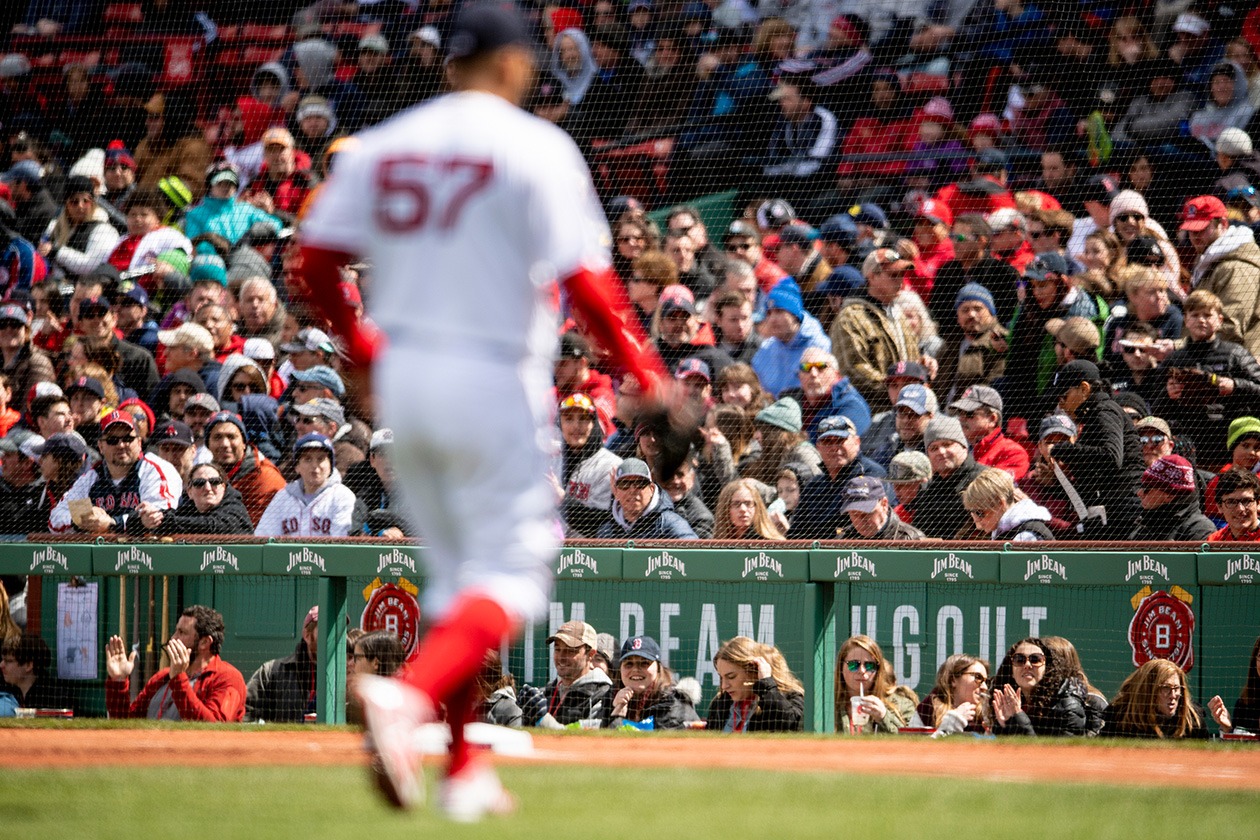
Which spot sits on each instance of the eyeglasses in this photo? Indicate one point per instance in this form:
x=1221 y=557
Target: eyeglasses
x=810 y=367
x=119 y=441
x=1033 y=659
x=980 y=678
x=1039 y=234
x=1130 y=217
x=247 y=387
x=631 y=238
x=977 y=513
x=206 y=482
x=739 y=246
x=1133 y=349
x=1171 y=690
x=1237 y=503
x=1148 y=440
x=854 y=666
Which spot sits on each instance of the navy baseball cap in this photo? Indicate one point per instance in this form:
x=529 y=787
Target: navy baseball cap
x=1056 y=424
x=14 y=312
x=842 y=282
x=485 y=27
x=693 y=367
x=136 y=295
x=837 y=425
x=992 y=160
x=87 y=383
x=644 y=647
x=869 y=214
x=65 y=444
x=839 y=229
x=798 y=233
x=94 y=307
x=315 y=441
x=863 y=494
x=908 y=370
x=226 y=417
x=1045 y=265
x=173 y=432
x=26 y=171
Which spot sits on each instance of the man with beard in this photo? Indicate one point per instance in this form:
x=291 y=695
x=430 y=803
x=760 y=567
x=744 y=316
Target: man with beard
x=579 y=690
x=972 y=354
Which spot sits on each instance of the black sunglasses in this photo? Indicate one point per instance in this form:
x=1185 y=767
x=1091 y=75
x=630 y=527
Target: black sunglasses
x=204 y=482
x=119 y=441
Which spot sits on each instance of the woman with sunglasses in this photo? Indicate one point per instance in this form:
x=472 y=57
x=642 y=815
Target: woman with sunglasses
x=1130 y=218
x=209 y=506
x=862 y=672
x=959 y=701
x=239 y=377
x=1154 y=702
x=1033 y=693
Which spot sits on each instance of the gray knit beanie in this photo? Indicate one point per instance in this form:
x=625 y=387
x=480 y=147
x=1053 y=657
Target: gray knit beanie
x=944 y=428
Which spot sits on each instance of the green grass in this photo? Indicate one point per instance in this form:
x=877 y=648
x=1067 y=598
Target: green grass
x=268 y=803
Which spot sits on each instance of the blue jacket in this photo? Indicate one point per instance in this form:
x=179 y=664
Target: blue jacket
x=658 y=522
x=777 y=363
x=227 y=217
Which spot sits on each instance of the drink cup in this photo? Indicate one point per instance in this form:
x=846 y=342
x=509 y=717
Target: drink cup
x=858 y=717
x=24 y=713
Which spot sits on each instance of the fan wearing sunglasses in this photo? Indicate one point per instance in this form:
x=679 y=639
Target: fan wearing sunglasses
x=209 y=506
x=1033 y=693
x=863 y=672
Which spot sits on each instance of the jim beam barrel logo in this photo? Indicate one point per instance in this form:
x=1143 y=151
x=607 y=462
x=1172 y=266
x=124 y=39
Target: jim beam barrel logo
x=219 y=560
x=1146 y=571
x=305 y=561
x=393 y=563
x=575 y=564
x=47 y=560
x=1045 y=569
x=393 y=607
x=854 y=567
x=952 y=568
x=664 y=565
x=1246 y=568
x=761 y=567
x=1162 y=626
x=131 y=560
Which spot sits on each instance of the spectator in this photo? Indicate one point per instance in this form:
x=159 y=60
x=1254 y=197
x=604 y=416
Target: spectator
x=979 y=409
x=792 y=331
x=34 y=207
x=125 y=479
x=883 y=429
x=173 y=146
x=932 y=222
x=146 y=236
x=759 y=693
x=684 y=220
x=1237 y=492
x=1240 y=170
x=733 y=326
x=1157 y=114
x=1105 y=462
x=261 y=312
x=678 y=331
x=870 y=514
x=1130 y=219
x=1170 y=503
x=137 y=370
x=1227 y=105
x=497 y=688
x=1148 y=303
x=1034 y=693
x=198 y=685
x=973 y=265
x=62 y=459
x=740 y=514
x=1002 y=512
x=908 y=473
x=239 y=377
x=743 y=243
x=973 y=353
x=247 y=470
x=372 y=482
x=1246 y=715
x=24 y=665
x=1010 y=241
x=824 y=392
x=915 y=407
x=819 y=516
x=783 y=443
x=285 y=181
x=218 y=322
x=81 y=237
x=220 y=212
x=649 y=695
x=870 y=333
x=316 y=503
x=22 y=485
x=207 y=275
x=937 y=509
x=939 y=154
x=798 y=254
x=173 y=442
x=639 y=509
x=579 y=692
x=958 y=701
x=190 y=350
x=863 y=672
x=1228 y=266
x=586 y=467
x=1156 y=438
x=804 y=139
x=1141 y=351
x=1154 y=702
x=209 y=506
x=283 y=690
x=131 y=318
x=683 y=492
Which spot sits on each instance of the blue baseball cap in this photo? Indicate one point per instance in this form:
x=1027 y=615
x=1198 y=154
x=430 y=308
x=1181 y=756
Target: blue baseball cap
x=693 y=367
x=315 y=440
x=842 y=282
x=323 y=376
x=863 y=494
x=839 y=229
x=869 y=214
x=644 y=647
x=919 y=399
x=837 y=425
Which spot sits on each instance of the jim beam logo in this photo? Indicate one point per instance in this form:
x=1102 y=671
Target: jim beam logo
x=219 y=560
x=46 y=561
x=762 y=566
x=576 y=564
x=1162 y=626
x=1045 y=569
x=952 y=568
x=132 y=559
x=306 y=561
x=664 y=565
x=1246 y=567
x=1146 y=569
x=395 y=561
x=854 y=567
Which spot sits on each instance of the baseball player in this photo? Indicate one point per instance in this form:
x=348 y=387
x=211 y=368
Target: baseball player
x=470 y=211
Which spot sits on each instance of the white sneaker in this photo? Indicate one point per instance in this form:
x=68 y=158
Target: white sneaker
x=391 y=711
x=474 y=793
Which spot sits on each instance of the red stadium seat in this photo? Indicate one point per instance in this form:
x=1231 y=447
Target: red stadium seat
x=641 y=170
x=122 y=14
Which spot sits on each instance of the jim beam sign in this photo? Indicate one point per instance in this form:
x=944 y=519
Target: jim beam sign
x=576 y=563
x=854 y=566
x=664 y=566
x=393 y=607
x=1162 y=626
x=305 y=561
x=49 y=561
x=762 y=566
x=131 y=560
x=218 y=560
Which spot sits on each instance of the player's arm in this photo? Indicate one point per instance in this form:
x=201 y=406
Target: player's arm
x=597 y=298
x=321 y=270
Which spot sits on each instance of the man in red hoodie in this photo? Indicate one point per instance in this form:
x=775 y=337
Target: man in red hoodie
x=979 y=409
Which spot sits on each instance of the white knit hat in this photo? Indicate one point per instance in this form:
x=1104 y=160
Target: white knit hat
x=91 y=165
x=1234 y=142
x=1127 y=201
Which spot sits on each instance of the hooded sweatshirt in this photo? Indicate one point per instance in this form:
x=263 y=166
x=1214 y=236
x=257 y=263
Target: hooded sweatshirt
x=576 y=84
x=658 y=521
x=1207 y=123
x=1012 y=525
x=1230 y=269
x=231 y=365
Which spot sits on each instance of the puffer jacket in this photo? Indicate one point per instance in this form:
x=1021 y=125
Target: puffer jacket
x=1202 y=413
x=1104 y=464
x=867 y=340
x=1230 y=269
x=1180 y=520
x=658 y=522
x=1065 y=715
x=777 y=363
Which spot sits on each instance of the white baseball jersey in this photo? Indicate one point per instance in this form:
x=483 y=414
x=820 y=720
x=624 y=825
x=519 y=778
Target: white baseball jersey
x=470 y=209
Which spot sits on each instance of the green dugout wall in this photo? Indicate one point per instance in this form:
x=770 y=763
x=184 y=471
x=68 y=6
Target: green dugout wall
x=920 y=604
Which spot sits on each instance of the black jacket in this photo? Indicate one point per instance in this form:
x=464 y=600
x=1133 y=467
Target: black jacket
x=1105 y=464
x=773 y=711
x=282 y=690
x=1180 y=521
x=672 y=709
x=1113 y=729
x=938 y=509
x=20 y=509
x=1202 y=413
x=549 y=707
x=364 y=481
x=230 y=517
x=697 y=515
x=818 y=516
x=1065 y=715
x=136 y=367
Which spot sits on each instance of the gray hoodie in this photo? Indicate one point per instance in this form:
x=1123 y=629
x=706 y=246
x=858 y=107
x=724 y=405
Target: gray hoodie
x=1207 y=123
x=315 y=57
x=271 y=68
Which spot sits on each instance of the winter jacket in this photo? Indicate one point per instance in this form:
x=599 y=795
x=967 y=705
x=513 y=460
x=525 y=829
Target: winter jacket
x=658 y=522
x=218 y=695
x=1113 y=729
x=584 y=699
x=258 y=481
x=696 y=514
x=999 y=451
x=1178 y=521
x=330 y=513
x=777 y=363
x=1207 y=123
x=501 y=709
x=575 y=84
x=771 y=710
x=136 y=367
x=894 y=529
x=1230 y=269
x=844 y=399
x=282 y=690
x=817 y=516
x=1024 y=521
x=79 y=249
x=938 y=509
x=227 y=217
x=979 y=362
x=671 y=709
x=1066 y=714
x=1246 y=716
x=867 y=339
x=230 y=517
x=804 y=148
x=1105 y=464
x=1202 y=413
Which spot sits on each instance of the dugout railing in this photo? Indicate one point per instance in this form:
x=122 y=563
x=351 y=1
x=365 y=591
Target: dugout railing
x=1197 y=604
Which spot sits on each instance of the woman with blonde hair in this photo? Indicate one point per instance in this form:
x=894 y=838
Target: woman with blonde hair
x=864 y=673
x=10 y=633
x=959 y=701
x=1003 y=511
x=759 y=692
x=1154 y=702
x=740 y=514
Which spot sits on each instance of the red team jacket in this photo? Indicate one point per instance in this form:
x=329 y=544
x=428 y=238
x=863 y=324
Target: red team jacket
x=219 y=694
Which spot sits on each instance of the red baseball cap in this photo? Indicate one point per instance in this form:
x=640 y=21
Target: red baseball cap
x=936 y=211
x=117 y=417
x=1199 y=212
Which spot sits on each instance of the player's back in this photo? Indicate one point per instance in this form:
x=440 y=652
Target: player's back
x=469 y=209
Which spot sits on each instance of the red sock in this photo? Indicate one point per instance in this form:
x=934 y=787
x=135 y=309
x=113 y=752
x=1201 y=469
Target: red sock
x=451 y=654
x=460 y=711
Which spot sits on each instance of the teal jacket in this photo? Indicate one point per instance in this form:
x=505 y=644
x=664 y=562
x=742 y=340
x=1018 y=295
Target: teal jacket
x=227 y=217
